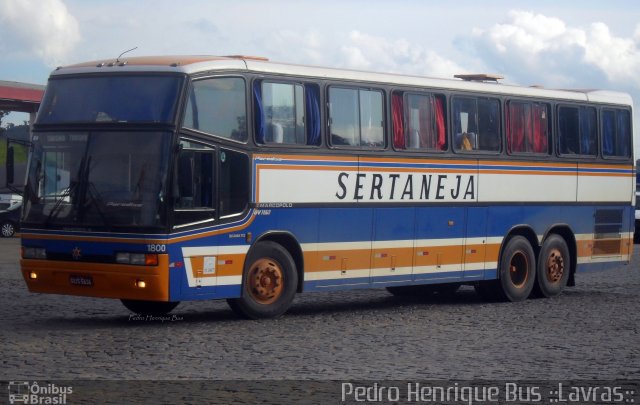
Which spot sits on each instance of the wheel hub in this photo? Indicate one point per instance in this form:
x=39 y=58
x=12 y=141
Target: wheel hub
x=518 y=269
x=265 y=281
x=555 y=266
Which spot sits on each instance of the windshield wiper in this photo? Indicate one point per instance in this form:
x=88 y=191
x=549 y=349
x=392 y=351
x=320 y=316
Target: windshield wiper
x=89 y=196
x=95 y=200
x=67 y=193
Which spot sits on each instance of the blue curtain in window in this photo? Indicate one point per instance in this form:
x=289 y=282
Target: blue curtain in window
x=624 y=135
x=587 y=129
x=313 y=114
x=608 y=132
x=260 y=121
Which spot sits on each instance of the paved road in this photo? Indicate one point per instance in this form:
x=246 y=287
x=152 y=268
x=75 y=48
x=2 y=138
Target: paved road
x=592 y=331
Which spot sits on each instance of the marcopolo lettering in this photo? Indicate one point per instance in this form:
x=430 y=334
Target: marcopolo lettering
x=405 y=187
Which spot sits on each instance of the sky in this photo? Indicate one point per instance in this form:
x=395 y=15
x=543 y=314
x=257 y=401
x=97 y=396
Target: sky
x=557 y=44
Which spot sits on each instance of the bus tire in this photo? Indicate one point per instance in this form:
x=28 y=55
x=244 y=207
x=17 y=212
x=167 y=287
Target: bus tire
x=269 y=282
x=553 y=267
x=517 y=270
x=157 y=308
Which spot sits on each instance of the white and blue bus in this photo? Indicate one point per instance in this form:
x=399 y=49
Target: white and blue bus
x=157 y=180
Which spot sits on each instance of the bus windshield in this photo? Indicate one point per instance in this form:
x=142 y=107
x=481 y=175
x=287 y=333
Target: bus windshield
x=97 y=180
x=113 y=98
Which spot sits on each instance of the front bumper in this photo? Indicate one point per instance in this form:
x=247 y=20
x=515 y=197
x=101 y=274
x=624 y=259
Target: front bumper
x=108 y=280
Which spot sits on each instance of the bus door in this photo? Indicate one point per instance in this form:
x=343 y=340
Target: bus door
x=439 y=245
x=393 y=244
x=194 y=198
x=476 y=247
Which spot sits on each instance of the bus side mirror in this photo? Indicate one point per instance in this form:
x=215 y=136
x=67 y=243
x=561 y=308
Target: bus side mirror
x=15 y=164
x=10 y=165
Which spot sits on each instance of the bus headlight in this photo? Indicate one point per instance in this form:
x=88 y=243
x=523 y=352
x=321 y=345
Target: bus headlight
x=138 y=259
x=34 y=253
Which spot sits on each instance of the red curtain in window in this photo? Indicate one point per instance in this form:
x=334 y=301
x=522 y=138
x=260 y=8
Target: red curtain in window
x=540 y=141
x=515 y=127
x=442 y=136
x=426 y=126
x=398 y=121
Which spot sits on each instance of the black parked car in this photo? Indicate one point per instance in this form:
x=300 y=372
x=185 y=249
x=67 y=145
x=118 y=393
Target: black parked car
x=10 y=220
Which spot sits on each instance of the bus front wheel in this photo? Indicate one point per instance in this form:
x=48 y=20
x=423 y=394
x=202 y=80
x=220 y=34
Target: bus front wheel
x=269 y=282
x=156 y=308
x=553 y=266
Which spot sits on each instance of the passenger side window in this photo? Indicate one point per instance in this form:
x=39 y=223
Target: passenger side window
x=419 y=121
x=616 y=133
x=286 y=113
x=356 y=117
x=527 y=127
x=476 y=123
x=577 y=130
x=283 y=111
x=218 y=107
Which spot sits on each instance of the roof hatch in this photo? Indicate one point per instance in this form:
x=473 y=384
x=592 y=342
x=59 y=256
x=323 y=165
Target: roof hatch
x=479 y=77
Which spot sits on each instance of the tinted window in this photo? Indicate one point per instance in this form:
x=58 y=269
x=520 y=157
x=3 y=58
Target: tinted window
x=194 y=195
x=217 y=106
x=476 y=124
x=355 y=117
x=101 y=178
x=616 y=133
x=112 y=98
x=577 y=130
x=283 y=110
x=233 y=182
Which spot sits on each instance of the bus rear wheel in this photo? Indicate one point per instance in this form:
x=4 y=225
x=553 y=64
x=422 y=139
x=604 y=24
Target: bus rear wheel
x=553 y=266
x=155 y=308
x=269 y=282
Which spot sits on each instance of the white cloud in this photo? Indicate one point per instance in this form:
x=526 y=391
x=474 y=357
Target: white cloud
x=544 y=49
x=355 y=50
x=41 y=28
x=307 y=48
x=363 y=51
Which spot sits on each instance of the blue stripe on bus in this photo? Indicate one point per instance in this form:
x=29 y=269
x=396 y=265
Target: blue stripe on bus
x=395 y=281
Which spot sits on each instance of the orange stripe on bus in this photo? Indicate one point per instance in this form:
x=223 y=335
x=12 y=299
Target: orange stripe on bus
x=528 y=172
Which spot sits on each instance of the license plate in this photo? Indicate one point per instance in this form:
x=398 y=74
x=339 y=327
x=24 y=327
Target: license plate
x=84 y=281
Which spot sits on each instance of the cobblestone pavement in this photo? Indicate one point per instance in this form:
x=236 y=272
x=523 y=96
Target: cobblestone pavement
x=592 y=331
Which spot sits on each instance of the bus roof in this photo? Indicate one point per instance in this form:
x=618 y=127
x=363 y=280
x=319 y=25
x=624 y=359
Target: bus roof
x=202 y=63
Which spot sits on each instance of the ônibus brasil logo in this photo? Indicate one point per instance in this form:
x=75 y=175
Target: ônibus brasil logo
x=24 y=392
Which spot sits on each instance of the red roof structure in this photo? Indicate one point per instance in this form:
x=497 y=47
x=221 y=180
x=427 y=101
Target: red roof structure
x=22 y=97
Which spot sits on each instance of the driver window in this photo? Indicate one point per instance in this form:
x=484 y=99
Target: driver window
x=194 y=184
